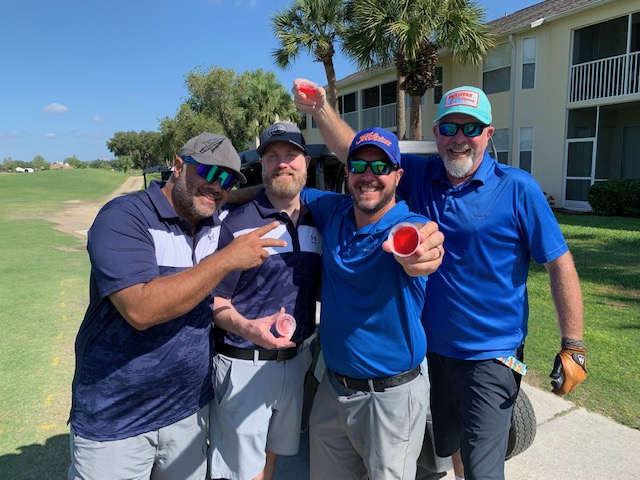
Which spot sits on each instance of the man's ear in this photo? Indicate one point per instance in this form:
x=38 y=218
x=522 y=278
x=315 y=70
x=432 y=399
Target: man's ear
x=307 y=159
x=178 y=164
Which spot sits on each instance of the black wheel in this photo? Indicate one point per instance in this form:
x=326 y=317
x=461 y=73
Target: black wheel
x=523 y=426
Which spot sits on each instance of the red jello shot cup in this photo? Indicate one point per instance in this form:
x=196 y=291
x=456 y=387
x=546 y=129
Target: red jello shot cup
x=284 y=326
x=404 y=238
x=308 y=88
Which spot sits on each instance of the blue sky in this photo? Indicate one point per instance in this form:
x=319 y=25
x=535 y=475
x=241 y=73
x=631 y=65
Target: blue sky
x=77 y=71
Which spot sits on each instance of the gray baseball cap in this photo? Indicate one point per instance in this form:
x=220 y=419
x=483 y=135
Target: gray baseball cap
x=212 y=149
x=282 y=132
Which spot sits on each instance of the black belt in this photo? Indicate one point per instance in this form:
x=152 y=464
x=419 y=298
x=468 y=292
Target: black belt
x=279 y=354
x=378 y=384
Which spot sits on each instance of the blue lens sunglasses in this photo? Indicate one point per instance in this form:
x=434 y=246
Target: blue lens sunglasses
x=211 y=173
x=468 y=129
x=378 y=167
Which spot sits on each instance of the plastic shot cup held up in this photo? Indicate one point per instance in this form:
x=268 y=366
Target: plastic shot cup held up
x=404 y=238
x=308 y=88
x=284 y=326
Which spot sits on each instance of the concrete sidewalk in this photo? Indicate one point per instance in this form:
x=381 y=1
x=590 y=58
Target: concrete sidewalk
x=570 y=444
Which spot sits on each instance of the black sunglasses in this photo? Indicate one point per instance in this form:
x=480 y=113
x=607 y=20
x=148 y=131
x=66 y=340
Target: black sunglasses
x=468 y=129
x=211 y=173
x=378 y=167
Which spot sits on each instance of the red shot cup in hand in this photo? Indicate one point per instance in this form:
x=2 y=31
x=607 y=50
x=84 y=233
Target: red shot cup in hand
x=308 y=88
x=404 y=239
x=284 y=326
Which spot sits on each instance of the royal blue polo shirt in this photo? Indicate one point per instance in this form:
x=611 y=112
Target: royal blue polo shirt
x=493 y=225
x=289 y=277
x=129 y=382
x=370 y=318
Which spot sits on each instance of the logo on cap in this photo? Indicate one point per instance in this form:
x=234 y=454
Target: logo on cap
x=372 y=136
x=465 y=98
x=277 y=130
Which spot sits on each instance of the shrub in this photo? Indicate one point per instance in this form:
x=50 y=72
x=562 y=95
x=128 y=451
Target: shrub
x=616 y=197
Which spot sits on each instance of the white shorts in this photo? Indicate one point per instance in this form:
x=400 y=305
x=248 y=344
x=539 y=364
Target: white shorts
x=257 y=407
x=176 y=451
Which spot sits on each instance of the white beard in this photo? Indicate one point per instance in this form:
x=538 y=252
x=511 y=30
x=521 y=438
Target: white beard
x=459 y=167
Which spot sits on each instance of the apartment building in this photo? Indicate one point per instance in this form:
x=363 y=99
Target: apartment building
x=564 y=83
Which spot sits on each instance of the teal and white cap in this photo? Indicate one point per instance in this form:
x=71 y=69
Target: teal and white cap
x=469 y=100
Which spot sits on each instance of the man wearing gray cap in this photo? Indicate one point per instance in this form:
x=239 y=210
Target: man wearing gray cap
x=142 y=383
x=256 y=413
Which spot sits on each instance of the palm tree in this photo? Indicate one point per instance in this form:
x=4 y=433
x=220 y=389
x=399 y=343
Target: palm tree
x=410 y=33
x=265 y=100
x=311 y=26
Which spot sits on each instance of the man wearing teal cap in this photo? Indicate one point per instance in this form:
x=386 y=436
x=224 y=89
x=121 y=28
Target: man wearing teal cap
x=493 y=217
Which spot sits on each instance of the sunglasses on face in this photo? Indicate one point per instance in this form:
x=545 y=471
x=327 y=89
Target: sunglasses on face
x=468 y=129
x=211 y=173
x=378 y=167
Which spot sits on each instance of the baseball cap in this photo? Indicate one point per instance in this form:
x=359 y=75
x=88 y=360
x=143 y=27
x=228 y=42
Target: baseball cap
x=469 y=100
x=378 y=137
x=212 y=149
x=282 y=132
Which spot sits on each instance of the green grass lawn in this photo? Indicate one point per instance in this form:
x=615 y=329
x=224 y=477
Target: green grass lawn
x=44 y=277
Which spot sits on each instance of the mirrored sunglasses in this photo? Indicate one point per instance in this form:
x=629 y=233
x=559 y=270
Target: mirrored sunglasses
x=211 y=173
x=378 y=167
x=468 y=129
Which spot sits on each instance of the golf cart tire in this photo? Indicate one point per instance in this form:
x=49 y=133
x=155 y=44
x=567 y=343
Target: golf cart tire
x=523 y=426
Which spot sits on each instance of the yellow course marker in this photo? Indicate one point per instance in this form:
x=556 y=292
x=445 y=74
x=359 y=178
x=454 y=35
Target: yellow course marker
x=49 y=426
x=64 y=318
x=48 y=400
x=55 y=361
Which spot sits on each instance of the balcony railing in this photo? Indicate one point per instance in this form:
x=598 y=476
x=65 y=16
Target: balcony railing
x=609 y=77
x=383 y=116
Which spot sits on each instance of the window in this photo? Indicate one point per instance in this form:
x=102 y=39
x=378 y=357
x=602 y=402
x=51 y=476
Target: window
x=529 y=47
x=526 y=148
x=349 y=109
x=496 y=70
x=437 y=90
x=500 y=139
x=302 y=125
x=379 y=106
x=603 y=40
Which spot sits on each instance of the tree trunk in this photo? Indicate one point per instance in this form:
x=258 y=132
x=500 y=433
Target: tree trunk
x=416 y=118
x=401 y=109
x=332 y=89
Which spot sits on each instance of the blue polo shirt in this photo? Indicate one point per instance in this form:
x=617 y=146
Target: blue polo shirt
x=493 y=225
x=289 y=277
x=370 y=318
x=126 y=381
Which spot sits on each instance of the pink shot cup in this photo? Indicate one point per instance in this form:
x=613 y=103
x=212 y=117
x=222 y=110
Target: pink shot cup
x=308 y=88
x=404 y=239
x=284 y=326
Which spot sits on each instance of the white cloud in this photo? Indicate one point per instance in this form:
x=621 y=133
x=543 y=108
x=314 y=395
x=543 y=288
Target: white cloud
x=54 y=108
x=51 y=135
x=97 y=119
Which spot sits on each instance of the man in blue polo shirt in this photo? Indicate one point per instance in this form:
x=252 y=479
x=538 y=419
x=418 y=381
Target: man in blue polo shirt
x=257 y=409
x=142 y=383
x=369 y=413
x=494 y=218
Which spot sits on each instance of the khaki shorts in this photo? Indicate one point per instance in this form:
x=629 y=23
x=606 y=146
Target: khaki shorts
x=178 y=451
x=257 y=406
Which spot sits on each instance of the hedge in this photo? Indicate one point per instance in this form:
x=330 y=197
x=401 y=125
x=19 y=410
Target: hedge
x=616 y=197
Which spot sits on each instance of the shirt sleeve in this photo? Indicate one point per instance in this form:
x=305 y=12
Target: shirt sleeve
x=121 y=250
